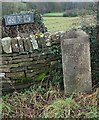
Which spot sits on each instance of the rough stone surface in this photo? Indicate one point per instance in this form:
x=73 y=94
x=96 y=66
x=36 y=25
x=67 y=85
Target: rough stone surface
x=2 y=75
x=26 y=46
x=30 y=45
x=76 y=62
x=4 y=69
x=15 y=75
x=6 y=44
x=18 y=56
x=34 y=42
x=0 y=47
x=21 y=46
x=15 y=46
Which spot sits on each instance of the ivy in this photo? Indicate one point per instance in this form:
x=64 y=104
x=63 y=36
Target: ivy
x=94 y=47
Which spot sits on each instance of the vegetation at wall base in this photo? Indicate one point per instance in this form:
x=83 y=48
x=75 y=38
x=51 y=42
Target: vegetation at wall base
x=49 y=103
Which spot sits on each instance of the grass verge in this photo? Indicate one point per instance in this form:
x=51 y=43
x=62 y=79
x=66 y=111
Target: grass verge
x=51 y=103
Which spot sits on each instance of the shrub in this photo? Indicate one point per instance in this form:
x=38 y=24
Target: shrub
x=70 y=13
x=76 y=12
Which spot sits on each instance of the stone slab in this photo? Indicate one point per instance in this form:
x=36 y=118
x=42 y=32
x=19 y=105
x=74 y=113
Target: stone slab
x=20 y=56
x=76 y=63
x=4 y=69
x=26 y=46
x=21 y=60
x=21 y=64
x=30 y=45
x=0 y=47
x=15 y=46
x=15 y=74
x=6 y=44
x=34 y=42
x=18 y=69
x=21 y=45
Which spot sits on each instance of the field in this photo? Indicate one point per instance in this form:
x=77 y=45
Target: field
x=53 y=14
x=54 y=24
x=61 y=23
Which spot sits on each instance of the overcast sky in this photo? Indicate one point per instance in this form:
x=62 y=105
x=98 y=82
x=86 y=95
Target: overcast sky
x=49 y=0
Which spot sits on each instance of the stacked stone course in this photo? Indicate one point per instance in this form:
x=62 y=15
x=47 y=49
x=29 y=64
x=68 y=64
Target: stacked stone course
x=22 y=62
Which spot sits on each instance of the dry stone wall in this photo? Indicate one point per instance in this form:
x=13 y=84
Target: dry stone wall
x=26 y=59
x=22 y=63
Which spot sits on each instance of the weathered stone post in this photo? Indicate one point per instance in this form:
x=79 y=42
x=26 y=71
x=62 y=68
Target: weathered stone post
x=76 y=62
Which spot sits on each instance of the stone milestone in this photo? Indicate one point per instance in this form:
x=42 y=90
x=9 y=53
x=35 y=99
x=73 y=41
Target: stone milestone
x=76 y=62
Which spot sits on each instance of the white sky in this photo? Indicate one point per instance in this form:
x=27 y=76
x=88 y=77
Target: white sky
x=48 y=0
